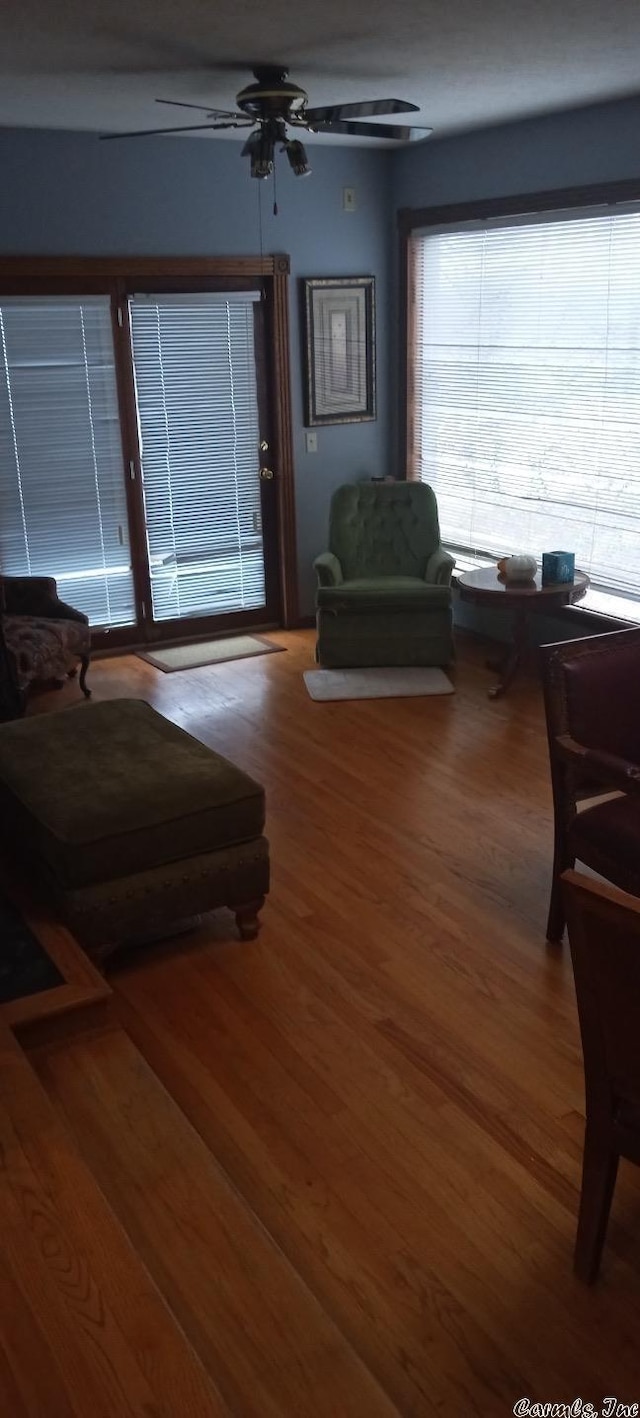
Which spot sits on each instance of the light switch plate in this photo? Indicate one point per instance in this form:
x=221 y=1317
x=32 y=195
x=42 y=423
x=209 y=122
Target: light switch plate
x=349 y=199
x=311 y=440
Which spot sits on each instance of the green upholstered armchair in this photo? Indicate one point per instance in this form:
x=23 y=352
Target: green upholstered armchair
x=384 y=592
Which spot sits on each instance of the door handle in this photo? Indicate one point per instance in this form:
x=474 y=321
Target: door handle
x=266 y=474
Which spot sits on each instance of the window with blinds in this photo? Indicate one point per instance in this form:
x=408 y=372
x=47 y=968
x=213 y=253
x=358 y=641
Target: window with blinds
x=195 y=375
x=525 y=387
x=62 y=489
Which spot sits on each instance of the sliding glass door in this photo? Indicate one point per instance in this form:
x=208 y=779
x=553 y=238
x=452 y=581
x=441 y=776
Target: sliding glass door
x=194 y=359
x=63 y=506
x=135 y=455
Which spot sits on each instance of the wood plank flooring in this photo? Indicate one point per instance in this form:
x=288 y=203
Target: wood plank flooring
x=389 y=1079
x=84 y=1333
x=243 y=1307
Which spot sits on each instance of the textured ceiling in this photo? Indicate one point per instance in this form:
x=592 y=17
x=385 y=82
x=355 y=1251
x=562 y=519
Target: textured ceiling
x=99 y=64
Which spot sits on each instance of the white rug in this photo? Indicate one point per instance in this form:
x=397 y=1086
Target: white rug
x=409 y=683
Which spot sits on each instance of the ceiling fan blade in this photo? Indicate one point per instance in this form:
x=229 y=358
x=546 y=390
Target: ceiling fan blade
x=399 y=133
x=159 y=132
x=202 y=107
x=367 y=109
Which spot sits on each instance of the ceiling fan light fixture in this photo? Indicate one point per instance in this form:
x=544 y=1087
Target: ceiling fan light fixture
x=298 y=160
x=260 y=149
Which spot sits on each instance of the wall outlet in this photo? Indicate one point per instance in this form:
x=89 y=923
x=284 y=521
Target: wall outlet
x=311 y=441
x=349 y=199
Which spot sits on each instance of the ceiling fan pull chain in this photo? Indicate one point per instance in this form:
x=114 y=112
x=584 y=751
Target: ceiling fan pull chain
x=275 y=193
x=263 y=290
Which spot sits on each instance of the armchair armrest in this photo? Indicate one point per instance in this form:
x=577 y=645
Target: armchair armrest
x=439 y=568
x=328 y=569
x=61 y=610
x=606 y=768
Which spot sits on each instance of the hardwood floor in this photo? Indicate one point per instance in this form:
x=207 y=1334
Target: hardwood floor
x=242 y=1306
x=387 y=1084
x=84 y=1332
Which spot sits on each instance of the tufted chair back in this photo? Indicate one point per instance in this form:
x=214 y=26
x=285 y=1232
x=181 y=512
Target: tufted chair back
x=383 y=529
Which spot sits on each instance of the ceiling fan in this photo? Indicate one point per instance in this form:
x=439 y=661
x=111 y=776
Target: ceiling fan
x=273 y=104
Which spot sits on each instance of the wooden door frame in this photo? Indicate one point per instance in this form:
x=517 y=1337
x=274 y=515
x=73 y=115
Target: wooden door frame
x=117 y=276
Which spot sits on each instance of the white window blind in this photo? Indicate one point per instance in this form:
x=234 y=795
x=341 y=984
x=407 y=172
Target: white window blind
x=62 y=489
x=526 y=388
x=197 y=402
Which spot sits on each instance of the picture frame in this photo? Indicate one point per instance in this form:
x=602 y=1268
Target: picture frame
x=340 y=346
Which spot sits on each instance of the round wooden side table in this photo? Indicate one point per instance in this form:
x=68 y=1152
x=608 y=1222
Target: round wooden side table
x=487 y=587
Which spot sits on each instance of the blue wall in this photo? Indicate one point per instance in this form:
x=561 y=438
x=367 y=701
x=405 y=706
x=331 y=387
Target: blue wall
x=68 y=193
x=571 y=149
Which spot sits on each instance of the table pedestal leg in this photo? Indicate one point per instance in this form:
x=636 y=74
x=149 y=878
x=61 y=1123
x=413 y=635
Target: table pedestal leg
x=508 y=665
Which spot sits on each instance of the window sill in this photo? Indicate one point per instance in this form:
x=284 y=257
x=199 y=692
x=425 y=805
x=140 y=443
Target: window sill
x=609 y=605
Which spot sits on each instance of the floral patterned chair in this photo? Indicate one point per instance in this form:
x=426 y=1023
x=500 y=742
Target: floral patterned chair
x=41 y=637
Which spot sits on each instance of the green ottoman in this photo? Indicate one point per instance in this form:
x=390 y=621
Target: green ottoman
x=129 y=823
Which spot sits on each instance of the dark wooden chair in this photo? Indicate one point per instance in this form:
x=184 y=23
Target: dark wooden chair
x=604 y=935
x=592 y=701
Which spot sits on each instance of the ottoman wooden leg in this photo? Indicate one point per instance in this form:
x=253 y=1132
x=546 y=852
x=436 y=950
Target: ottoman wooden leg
x=247 y=918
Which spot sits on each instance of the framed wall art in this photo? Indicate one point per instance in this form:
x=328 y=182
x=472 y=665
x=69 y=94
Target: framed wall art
x=340 y=341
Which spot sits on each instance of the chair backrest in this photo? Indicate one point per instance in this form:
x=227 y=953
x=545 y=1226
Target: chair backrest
x=25 y=595
x=383 y=529
x=604 y=934
x=592 y=691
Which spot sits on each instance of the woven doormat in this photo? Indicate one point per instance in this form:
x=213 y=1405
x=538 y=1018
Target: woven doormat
x=208 y=652
x=392 y=683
